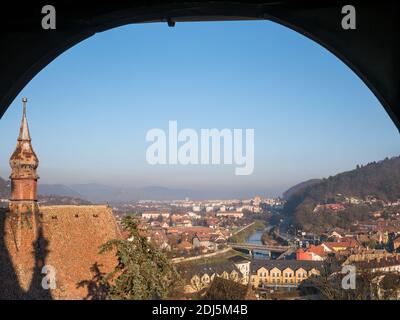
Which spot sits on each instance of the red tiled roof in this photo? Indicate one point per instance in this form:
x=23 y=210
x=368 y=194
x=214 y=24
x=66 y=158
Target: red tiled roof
x=184 y=245
x=319 y=250
x=342 y=244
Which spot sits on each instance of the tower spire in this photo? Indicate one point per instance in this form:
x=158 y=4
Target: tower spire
x=24 y=129
x=24 y=163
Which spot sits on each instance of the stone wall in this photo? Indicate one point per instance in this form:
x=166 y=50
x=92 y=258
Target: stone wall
x=68 y=239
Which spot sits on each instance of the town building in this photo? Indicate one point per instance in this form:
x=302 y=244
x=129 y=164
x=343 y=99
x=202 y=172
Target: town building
x=312 y=253
x=276 y=273
x=199 y=277
x=344 y=244
x=387 y=264
x=333 y=207
x=203 y=241
x=230 y=214
x=243 y=265
x=364 y=254
x=155 y=215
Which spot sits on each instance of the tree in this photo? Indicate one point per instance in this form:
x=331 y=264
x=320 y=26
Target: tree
x=143 y=272
x=225 y=289
x=369 y=285
x=378 y=179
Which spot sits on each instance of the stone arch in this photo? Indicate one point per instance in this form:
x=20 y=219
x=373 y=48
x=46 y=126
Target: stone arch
x=371 y=50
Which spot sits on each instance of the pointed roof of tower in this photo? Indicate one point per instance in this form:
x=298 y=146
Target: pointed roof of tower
x=23 y=154
x=24 y=129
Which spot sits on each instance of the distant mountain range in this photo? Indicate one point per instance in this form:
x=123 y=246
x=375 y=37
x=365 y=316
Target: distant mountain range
x=57 y=190
x=103 y=193
x=381 y=179
x=98 y=193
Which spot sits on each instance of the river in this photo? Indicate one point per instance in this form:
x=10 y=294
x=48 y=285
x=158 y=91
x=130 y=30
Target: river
x=255 y=238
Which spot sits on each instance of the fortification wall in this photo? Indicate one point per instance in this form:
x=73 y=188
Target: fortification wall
x=68 y=239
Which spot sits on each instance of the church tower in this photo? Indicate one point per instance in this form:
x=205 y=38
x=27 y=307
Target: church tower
x=24 y=163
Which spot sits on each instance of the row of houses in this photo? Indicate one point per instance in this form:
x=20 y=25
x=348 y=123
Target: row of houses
x=347 y=244
x=200 y=276
x=261 y=274
x=390 y=264
x=320 y=252
x=186 y=239
x=255 y=273
x=282 y=272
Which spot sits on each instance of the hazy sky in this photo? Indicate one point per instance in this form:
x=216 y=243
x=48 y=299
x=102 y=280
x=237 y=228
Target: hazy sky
x=90 y=109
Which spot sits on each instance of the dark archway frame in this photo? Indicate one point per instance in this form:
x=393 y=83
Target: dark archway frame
x=371 y=51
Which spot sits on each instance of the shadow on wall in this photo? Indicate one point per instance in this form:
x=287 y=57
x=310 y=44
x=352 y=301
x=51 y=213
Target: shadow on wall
x=97 y=289
x=10 y=288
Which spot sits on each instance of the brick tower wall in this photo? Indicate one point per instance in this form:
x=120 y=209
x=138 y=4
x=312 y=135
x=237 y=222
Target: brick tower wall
x=24 y=189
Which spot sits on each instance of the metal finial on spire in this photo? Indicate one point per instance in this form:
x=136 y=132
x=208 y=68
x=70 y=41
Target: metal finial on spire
x=24 y=101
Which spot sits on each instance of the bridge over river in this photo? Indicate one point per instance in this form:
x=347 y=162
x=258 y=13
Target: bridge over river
x=260 y=247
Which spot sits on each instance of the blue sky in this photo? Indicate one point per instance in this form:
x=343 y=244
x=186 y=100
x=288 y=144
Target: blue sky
x=90 y=109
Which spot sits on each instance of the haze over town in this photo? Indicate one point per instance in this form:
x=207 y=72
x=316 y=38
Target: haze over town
x=91 y=108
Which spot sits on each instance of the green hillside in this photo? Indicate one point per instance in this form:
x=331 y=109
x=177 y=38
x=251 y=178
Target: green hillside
x=379 y=179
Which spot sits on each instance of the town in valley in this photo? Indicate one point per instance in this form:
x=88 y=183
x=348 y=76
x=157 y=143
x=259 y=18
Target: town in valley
x=291 y=247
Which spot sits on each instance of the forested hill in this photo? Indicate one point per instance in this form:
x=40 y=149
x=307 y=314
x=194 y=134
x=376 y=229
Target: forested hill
x=380 y=179
x=300 y=187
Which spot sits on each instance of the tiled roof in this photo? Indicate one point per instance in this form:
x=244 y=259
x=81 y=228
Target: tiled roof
x=319 y=250
x=210 y=269
x=378 y=263
x=350 y=243
x=283 y=264
x=70 y=237
x=184 y=245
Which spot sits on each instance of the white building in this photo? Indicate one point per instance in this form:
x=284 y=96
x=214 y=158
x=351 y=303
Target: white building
x=230 y=214
x=154 y=215
x=196 y=208
x=244 y=266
